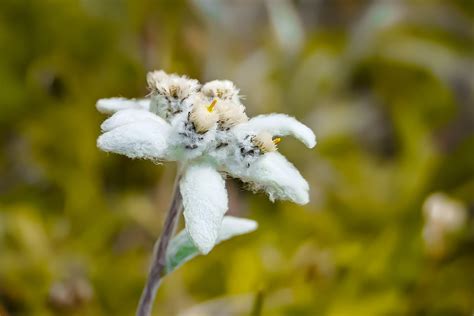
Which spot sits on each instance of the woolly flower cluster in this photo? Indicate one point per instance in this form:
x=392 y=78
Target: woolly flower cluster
x=206 y=129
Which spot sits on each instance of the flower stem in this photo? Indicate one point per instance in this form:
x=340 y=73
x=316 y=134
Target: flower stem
x=159 y=254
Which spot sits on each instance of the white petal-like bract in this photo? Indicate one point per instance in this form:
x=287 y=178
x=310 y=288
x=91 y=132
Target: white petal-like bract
x=276 y=176
x=280 y=125
x=205 y=203
x=112 y=105
x=125 y=117
x=234 y=226
x=143 y=139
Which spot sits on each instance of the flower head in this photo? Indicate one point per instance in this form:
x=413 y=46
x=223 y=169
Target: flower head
x=206 y=130
x=230 y=114
x=169 y=93
x=203 y=116
x=265 y=142
x=222 y=90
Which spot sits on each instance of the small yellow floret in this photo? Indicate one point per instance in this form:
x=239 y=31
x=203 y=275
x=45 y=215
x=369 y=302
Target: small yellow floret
x=264 y=142
x=230 y=114
x=203 y=117
x=210 y=108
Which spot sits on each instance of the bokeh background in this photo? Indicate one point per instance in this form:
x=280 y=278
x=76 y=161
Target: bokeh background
x=387 y=86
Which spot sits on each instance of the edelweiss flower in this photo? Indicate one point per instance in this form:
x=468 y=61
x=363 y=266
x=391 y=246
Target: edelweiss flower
x=207 y=131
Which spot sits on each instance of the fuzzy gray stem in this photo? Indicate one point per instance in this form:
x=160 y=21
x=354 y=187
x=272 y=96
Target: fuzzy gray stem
x=159 y=254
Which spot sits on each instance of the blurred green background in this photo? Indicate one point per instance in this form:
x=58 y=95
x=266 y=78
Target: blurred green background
x=387 y=86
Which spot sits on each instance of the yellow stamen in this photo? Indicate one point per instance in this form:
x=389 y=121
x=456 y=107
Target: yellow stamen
x=210 y=108
x=277 y=140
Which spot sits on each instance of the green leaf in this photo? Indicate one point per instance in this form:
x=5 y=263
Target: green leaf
x=182 y=249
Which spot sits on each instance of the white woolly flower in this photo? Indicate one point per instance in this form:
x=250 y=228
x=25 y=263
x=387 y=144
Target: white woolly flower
x=169 y=93
x=230 y=114
x=208 y=132
x=203 y=116
x=222 y=90
x=265 y=142
x=231 y=111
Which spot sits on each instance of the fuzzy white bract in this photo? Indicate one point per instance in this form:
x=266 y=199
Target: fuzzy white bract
x=205 y=129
